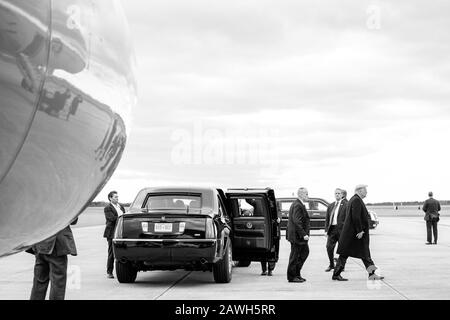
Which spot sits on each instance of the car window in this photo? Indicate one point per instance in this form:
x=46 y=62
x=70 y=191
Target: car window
x=250 y=207
x=316 y=205
x=286 y=205
x=173 y=202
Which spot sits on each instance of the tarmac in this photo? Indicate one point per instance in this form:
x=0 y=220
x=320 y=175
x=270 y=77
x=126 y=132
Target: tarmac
x=412 y=270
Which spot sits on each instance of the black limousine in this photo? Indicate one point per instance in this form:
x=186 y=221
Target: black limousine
x=196 y=229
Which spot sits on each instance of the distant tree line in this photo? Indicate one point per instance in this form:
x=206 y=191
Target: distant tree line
x=406 y=203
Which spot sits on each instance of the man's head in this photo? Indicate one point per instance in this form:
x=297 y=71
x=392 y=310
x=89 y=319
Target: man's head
x=430 y=194
x=338 y=194
x=302 y=194
x=361 y=190
x=344 y=194
x=113 y=197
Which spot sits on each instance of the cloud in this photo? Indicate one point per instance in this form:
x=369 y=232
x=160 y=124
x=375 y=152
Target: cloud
x=327 y=100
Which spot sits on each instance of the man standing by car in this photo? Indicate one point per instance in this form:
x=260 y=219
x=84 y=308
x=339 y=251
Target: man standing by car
x=334 y=223
x=297 y=234
x=51 y=264
x=267 y=267
x=431 y=207
x=354 y=239
x=112 y=212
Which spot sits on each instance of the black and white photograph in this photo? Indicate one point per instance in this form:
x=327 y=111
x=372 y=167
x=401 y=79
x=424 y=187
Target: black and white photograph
x=256 y=151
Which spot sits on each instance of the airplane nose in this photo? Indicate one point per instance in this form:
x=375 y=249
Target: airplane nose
x=62 y=120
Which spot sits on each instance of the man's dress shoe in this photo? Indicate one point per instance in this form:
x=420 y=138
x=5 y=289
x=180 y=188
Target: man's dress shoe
x=339 y=278
x=297 y=280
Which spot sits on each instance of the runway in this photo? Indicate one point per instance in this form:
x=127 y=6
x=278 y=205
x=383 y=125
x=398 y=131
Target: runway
x=412 y=269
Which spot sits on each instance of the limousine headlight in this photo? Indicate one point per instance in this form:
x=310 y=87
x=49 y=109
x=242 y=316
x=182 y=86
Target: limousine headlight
x=182 y=227
x=144 y=226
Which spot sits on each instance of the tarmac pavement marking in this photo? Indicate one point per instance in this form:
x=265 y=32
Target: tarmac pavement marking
x=382 y=281
x=173 y=285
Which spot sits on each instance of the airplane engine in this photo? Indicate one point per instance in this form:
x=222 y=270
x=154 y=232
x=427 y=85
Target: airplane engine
x=67 y=87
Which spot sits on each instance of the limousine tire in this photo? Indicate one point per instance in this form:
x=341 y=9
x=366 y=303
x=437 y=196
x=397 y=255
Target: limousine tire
x=125 y=272
x=243 y=263
x=222 y=269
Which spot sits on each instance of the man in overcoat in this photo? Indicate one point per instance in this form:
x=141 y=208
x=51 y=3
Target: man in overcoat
x=297 y=234
x=354 y=239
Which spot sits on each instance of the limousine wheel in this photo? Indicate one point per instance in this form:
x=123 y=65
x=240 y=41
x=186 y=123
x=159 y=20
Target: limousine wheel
x=243 y=263
x=125 y=272
x=222 y=269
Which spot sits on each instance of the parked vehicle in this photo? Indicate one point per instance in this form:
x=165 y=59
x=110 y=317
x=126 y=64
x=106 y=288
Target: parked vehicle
x=373 y=222
x=316 y=207
x=317 y=210
x=196 y=229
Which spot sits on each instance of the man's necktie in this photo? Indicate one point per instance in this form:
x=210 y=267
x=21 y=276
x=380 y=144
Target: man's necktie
x=334 y=212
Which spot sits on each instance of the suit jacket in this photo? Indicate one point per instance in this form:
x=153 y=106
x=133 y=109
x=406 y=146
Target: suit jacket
x=298 y=223
x=357 y=220
x=60 y=244
x=340 y=215
x=111 y=219
x=431 y=207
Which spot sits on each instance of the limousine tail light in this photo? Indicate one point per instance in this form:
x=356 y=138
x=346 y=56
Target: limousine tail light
x=210 y=229
x=119 y=228
x=144 y=226
x=182 y=227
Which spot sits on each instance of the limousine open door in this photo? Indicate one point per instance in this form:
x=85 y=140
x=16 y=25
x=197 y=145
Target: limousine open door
x=255 y=225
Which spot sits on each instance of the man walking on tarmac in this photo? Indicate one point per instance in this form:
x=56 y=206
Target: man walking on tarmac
x=354 y=240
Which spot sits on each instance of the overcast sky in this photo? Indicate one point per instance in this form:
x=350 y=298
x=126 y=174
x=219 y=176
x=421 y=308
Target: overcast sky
x=288 y=94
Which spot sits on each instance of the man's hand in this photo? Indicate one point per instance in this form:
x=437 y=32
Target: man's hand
x=306 y=238
x=360 y=235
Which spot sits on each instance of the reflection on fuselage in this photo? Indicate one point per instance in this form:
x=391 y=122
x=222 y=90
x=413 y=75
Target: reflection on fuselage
x=66 y=89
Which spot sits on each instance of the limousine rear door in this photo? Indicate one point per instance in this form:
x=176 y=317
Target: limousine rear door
x=255 y=229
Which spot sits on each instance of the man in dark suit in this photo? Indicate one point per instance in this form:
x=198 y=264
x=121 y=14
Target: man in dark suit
x=112 y=211
x=334 y=222
x=267 y=267
x=297 y=234
x=431 y=207
x=51 y=264
x=354 y=239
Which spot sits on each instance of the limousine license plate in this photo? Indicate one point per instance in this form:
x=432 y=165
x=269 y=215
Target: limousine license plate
x=163 y=227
